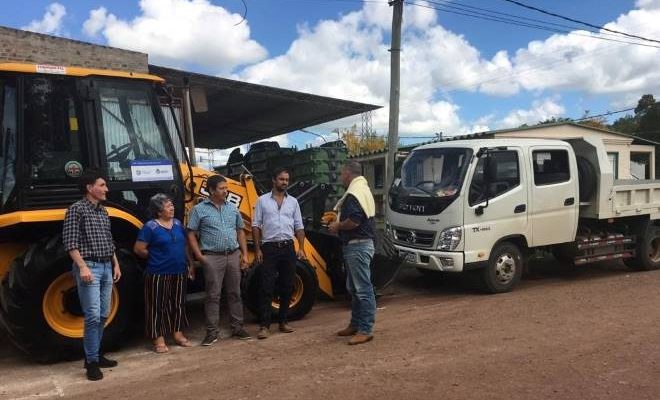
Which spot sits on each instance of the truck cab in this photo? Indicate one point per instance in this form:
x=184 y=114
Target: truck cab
x=462 y=205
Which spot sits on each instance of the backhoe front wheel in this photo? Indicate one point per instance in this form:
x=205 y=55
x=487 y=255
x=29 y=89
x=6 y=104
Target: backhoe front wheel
x=40 y=310
x=303 y=297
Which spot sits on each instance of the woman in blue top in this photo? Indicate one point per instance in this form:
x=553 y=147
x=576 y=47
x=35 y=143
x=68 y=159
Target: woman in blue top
x=162 y=241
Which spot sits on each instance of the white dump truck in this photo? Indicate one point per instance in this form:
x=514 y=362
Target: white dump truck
x=487 y=204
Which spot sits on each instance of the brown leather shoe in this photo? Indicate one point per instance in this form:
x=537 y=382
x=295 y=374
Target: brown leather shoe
x=360 y=338
x=285 y=328
x=348 y=331
x=264 y=332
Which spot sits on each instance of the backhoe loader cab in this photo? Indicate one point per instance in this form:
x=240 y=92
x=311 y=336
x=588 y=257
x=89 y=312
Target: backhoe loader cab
x=56 y=126
x=56 y=122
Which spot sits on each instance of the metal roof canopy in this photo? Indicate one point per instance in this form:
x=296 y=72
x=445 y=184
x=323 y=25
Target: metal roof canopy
x=241 y=112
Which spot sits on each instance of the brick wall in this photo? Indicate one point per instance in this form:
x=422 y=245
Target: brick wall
x=35 y=48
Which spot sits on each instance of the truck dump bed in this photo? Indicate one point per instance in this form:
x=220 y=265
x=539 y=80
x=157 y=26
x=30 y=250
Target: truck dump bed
x=635 y=197
x=613 y=198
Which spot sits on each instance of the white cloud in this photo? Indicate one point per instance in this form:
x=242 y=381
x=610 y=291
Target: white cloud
x=176 y=32
x=51 y=22
x=593 y=66
x=355 y=64
x=348 y=58
x=540 y=111
x=96 y=21
x=648 y=4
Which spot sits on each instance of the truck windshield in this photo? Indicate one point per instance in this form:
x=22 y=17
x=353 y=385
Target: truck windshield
x=435 y=172
x=130 y=129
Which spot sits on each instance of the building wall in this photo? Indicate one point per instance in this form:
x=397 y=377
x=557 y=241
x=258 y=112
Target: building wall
x=35 y=48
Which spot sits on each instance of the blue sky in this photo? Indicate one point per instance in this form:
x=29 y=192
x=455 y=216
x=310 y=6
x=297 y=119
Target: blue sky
x=459 y=74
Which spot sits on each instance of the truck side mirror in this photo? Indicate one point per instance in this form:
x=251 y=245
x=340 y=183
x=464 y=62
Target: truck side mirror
x=479 y=210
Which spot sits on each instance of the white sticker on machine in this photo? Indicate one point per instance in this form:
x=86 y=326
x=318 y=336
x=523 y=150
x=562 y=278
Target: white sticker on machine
x=151 y=170
x=51 y=69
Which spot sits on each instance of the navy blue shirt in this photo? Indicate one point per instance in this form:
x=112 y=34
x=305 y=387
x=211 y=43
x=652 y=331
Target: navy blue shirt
x=351 y=208
x=167 y=248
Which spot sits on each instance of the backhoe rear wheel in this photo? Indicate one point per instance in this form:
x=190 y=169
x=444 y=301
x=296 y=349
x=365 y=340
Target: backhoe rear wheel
x=305 y=290
x=40 y=310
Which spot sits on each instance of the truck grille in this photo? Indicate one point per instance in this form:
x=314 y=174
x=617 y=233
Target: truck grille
x=413 y=237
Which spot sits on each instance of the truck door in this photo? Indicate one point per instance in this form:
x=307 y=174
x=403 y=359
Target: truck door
x=496 y=202
x=553 y=195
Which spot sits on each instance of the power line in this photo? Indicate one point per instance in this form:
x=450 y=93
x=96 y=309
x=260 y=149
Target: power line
x=509 y=21
x=602 y=115
x=496 y=77
x=314 y=133
x=244 y=14
x=580 y=22
x=466 y=7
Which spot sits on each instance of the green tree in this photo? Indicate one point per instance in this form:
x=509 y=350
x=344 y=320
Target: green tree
x=356 y=144
x=648 y=114
x=600 y=123
x=646 y=121
x=627 y=124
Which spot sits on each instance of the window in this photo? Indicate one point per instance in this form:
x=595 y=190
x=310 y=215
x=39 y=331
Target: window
x=437 y=172
x=496 y=173
x=53 y=139
x=640 y=165
x=550 y=166
x=130 y=130
x=614 y=162
x=7 y=140
x=379 y=177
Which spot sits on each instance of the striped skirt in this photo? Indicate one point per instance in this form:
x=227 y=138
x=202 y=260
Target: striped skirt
x=164 y=304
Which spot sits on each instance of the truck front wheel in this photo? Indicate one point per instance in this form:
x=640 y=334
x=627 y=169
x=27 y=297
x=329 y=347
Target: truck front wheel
x=504 y=269
x=647 y=251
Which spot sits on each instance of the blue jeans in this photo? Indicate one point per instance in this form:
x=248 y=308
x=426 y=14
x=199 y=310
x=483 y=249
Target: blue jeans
x=357 y=258
x=95 y=303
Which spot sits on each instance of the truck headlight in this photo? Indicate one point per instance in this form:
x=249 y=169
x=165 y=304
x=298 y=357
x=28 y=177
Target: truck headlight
x=450 y=238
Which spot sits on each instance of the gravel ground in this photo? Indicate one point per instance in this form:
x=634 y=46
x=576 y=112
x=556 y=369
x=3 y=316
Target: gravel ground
x=591 y=334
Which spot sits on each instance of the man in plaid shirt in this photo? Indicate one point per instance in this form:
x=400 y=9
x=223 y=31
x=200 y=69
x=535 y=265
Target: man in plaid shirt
x=88 y=240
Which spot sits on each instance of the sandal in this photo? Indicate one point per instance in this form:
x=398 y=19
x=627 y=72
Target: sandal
x=161 y=348
x=184 y=343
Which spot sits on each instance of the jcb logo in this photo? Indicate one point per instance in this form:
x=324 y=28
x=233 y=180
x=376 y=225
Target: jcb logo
x=233 y=198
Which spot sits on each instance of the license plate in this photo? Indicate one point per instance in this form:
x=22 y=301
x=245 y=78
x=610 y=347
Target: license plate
x=408 y=256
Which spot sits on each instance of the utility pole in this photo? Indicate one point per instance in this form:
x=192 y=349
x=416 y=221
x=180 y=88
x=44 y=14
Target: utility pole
x=395 y=77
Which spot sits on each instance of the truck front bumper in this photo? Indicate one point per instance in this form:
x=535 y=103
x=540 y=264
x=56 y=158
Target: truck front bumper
x=449 y=261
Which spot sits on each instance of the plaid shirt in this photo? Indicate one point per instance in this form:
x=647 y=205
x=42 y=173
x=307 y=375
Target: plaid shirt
x=87 y=229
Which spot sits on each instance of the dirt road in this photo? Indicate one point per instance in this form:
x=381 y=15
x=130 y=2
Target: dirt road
x=559 y=335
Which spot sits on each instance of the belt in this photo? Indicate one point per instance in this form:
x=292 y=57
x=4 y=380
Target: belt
x=98 y=259
x=219 y=253
x=280 y=244
x=359 y=241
